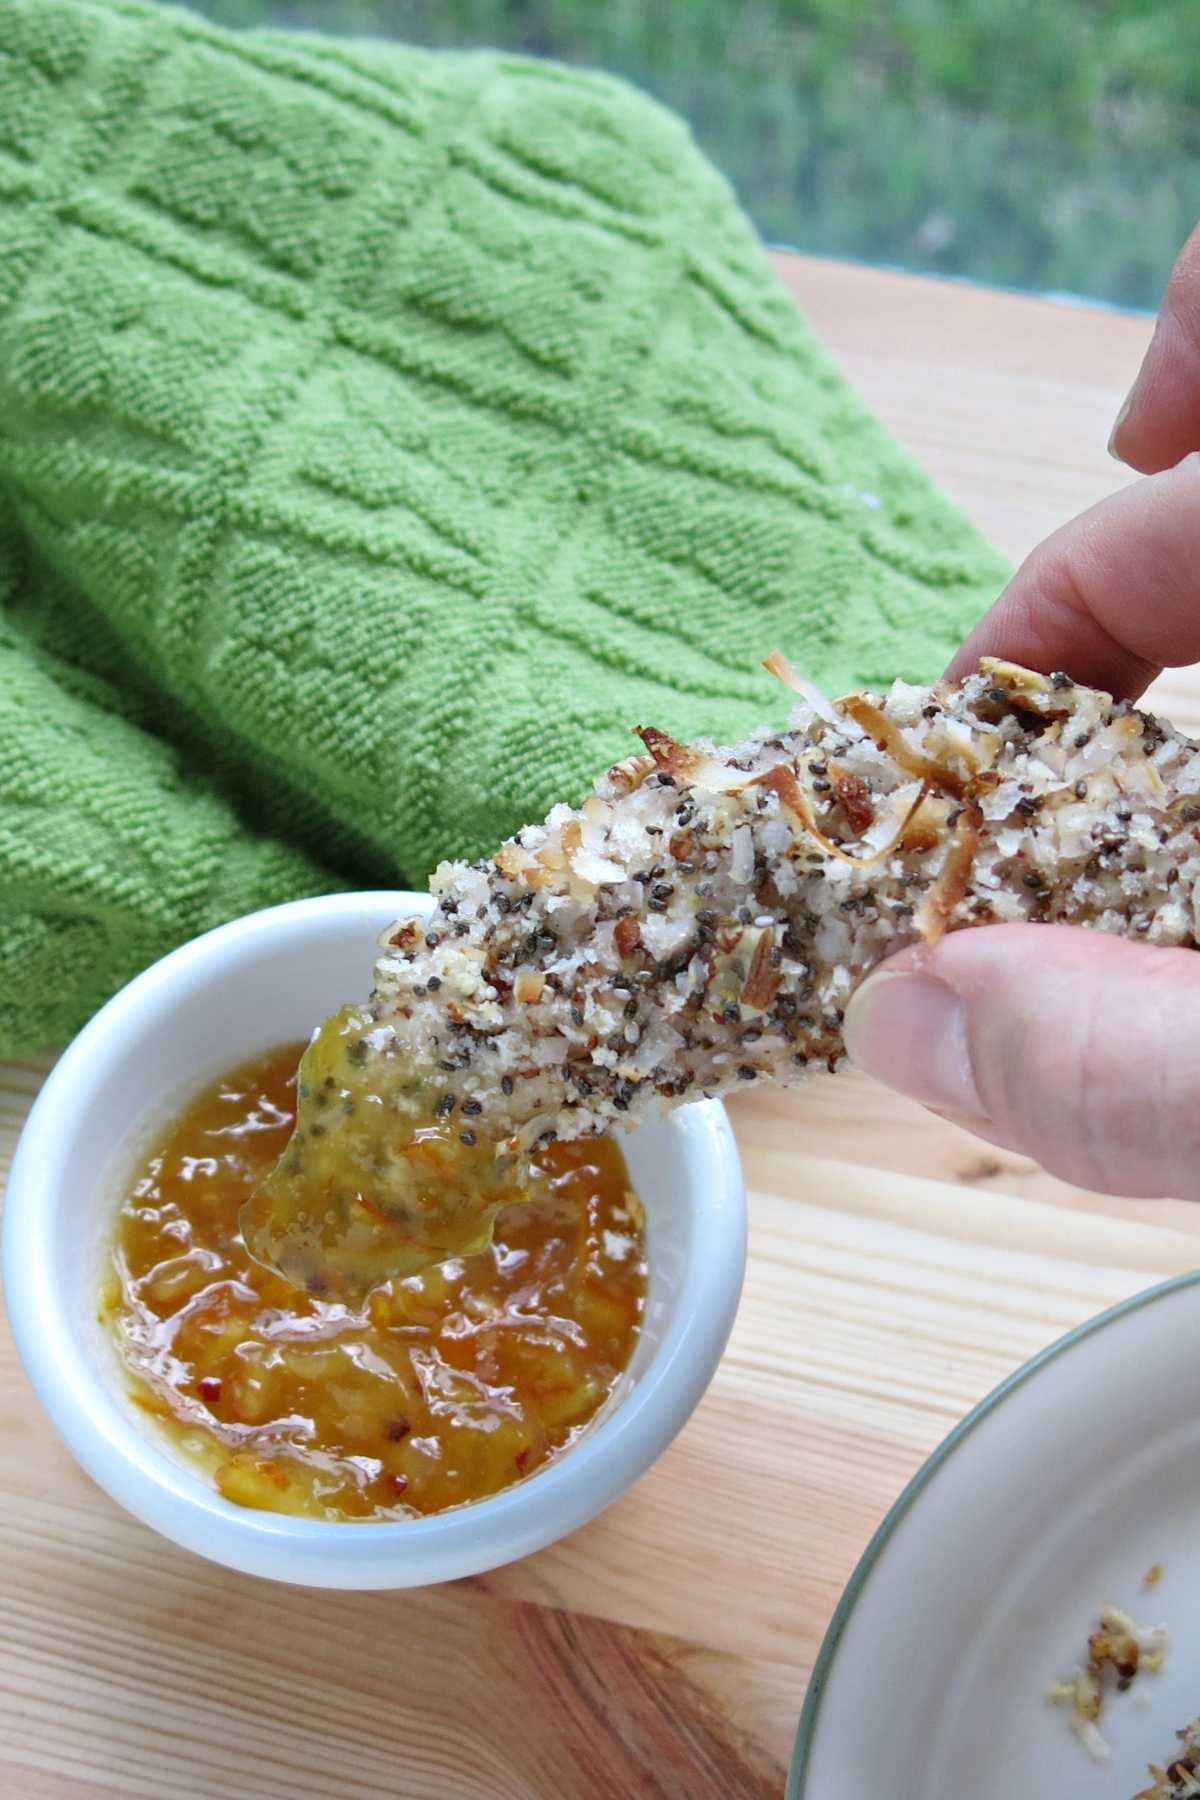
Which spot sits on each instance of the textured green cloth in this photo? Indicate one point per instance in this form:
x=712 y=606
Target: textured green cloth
x=382 y=434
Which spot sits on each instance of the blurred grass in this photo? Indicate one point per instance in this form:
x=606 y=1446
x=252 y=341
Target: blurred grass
x=1045 y=144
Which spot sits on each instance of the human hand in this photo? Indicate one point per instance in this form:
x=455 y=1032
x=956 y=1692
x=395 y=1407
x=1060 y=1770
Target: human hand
x=1160 y=421
x=1070 y=1046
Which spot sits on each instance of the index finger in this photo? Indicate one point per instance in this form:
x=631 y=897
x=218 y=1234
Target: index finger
x=1111 y=598
x=1160 y=421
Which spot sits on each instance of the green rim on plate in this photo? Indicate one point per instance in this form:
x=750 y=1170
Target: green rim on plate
x=823 y=1668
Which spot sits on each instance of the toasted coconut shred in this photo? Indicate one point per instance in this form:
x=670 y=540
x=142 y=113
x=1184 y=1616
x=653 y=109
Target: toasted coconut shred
x=1180 y=1778
x=702 y=919
x=1118 y=1651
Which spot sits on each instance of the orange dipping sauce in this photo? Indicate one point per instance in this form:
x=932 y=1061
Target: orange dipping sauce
x=439 y=1389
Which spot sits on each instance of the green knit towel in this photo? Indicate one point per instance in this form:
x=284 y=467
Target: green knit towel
x=382 y=435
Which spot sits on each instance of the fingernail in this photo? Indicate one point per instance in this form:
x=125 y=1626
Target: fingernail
x=910 y=1031
x=1120 y=419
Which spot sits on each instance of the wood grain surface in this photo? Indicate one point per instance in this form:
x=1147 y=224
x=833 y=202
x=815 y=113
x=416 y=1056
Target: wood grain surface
x=898 y=1270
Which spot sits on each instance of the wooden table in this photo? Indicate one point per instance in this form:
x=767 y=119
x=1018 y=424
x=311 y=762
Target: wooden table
x=898 y=1270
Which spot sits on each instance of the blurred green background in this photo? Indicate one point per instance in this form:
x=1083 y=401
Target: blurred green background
x=1040 y=144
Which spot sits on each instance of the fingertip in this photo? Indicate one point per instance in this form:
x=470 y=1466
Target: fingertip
x=1083 y=1051
x=1114 y=436
x=1158 y=422
x=909 y=1030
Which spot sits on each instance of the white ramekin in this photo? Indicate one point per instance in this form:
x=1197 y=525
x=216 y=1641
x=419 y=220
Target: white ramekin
x=239 y=990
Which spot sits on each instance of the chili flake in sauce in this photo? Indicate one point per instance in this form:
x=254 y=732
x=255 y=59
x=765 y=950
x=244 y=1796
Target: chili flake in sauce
x=437 y=1389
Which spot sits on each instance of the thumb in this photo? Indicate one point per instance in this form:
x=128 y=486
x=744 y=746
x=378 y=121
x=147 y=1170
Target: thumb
x=1073 y=1047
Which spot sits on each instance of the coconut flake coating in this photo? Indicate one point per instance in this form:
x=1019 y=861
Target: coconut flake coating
x=701 y=921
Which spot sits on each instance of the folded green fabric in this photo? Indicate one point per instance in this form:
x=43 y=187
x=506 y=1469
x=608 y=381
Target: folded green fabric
x=382 y=435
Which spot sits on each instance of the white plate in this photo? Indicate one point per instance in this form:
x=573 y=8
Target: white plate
x=1053 y=1497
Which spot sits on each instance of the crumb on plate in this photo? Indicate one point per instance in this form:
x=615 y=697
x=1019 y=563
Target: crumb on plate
x=1180 y=1779
x=1117 y=1652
